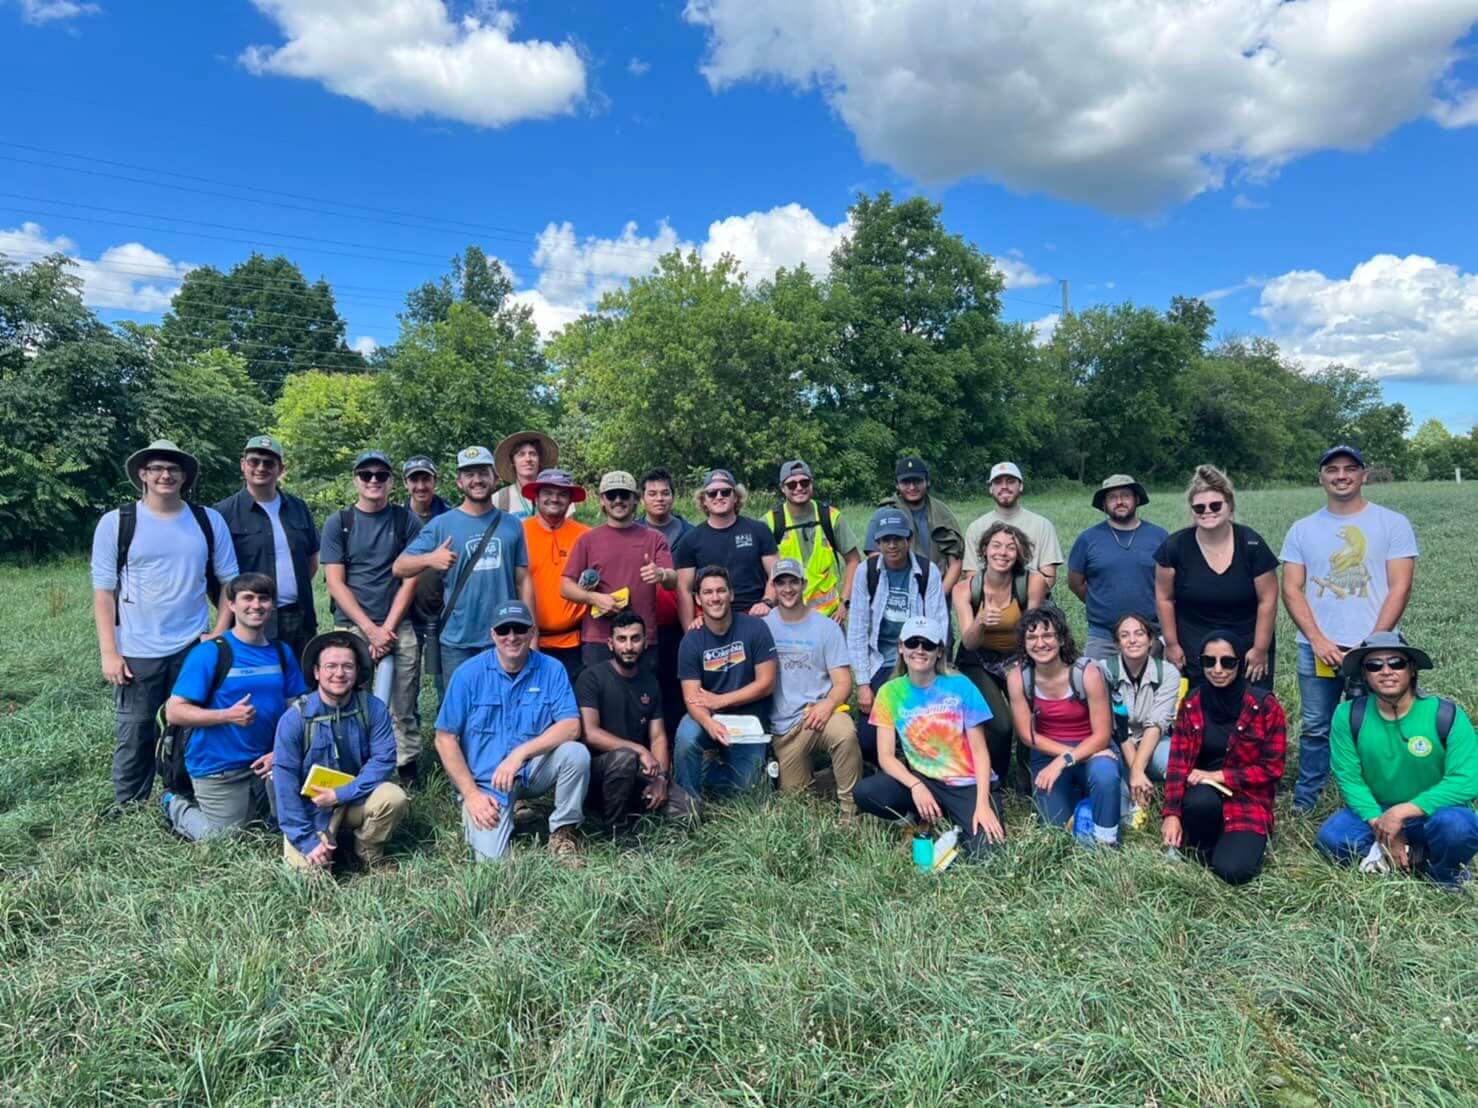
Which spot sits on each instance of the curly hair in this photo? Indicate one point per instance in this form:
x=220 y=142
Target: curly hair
x=1048 y=615
x=1018 y=536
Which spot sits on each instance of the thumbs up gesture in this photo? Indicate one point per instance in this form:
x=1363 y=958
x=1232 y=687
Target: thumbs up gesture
x=443 y=557
x=651 y=573
x=242 y=713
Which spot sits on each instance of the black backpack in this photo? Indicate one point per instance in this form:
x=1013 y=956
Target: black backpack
x=875 y=573
x=169 y=751
x=128 y=524
x=780 y=523
x=1446 y=716
x=401 y=521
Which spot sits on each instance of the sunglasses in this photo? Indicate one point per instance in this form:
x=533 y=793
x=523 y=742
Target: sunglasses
x=719 y=494
x=1375 y=665
x=508 y=629
x=1220 y=661
x=373 y=476
x=619 y=496
x=797 y=486
x=1212 y=506
x=917 y=643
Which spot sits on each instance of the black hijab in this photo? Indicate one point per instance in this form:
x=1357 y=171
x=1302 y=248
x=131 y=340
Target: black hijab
x=1223 y=705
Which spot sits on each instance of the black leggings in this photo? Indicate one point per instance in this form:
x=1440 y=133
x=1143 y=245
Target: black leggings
x=881 y=796
x=1000 y=735
x=1234 y=856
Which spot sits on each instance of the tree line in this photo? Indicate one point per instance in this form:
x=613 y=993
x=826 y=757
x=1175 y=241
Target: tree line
x=899 y=349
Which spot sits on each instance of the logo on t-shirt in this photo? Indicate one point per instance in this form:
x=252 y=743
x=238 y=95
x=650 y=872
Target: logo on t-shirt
x=743 y=539
x=719 y=658
x=1419 y=745
x=1348 y=574
x=492 y=557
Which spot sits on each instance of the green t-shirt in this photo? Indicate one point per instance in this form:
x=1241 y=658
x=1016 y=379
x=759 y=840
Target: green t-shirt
x=1400 y=761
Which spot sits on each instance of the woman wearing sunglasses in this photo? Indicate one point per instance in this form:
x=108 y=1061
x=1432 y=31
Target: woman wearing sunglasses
x=1226 y=756
x=937 y=717
x=1217 y=574
x=1060 y=708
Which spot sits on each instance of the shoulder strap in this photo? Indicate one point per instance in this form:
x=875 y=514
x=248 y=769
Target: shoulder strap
x=874 y=572
x=1029 y=683
x=212 y=582
x=824 y=514
x=467 y=569
x=1357 y=717
x=218 y=676
x=1077 y=682
x=1446 y=717
x=346 y=527
x=128 y=523
x=301 y=704
x=977 y=590
x=1111 y=667
x=921 y=575
x=402 y=528
x=1019 y=583
x=1159 y=670
x=777 y=522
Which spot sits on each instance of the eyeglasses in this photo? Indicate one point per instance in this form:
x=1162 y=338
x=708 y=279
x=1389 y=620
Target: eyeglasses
x=337 y=667
x=917 y=643
x=1227 y=662
x=1212 y=506
x=797 y=486
x=511 y=629
x=1375 y=665
x=617 y=496
x=373 y=476
x=259 y=463
x=163 y=471
x=719 y=494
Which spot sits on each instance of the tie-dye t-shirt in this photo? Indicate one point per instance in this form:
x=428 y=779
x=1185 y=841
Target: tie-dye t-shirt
x=930 y=724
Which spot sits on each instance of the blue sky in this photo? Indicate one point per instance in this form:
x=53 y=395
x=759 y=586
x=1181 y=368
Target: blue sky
x=1307 y=165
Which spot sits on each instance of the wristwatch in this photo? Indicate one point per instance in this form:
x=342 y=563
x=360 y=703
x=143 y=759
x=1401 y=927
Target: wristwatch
x=1067 y=758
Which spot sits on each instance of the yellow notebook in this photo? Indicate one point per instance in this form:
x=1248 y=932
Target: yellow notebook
x=321 y=777
x=1323 y=668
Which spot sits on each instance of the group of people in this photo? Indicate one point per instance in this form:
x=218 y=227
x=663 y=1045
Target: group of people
x=649 y=665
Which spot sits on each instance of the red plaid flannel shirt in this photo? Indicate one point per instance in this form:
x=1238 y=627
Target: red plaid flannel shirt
x=1254 y=760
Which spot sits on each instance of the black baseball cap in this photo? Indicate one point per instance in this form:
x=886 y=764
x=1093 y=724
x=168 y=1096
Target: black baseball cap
x=913 y=468
x=1336 y=451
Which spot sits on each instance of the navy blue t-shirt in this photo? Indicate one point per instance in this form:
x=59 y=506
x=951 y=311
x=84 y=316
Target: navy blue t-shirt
x=726 y=663
x=1120 y=569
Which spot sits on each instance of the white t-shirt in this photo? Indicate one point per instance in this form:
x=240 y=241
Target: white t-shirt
x=1046 y=550
x=161 y=605
x=287 y=578
x=1345 y=559
x=807 y=651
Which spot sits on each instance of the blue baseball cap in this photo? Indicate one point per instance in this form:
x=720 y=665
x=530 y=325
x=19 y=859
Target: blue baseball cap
x=891 y=522
x=1336 y=451
x=513 y=611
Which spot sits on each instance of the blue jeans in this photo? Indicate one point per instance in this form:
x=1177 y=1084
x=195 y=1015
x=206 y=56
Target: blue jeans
x=1449 y=834
x=566 y=770
x=1318 y=698
x=735 y=770
x=1097 y=778
x=451 y=658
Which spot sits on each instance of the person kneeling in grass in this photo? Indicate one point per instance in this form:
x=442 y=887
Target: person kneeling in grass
x=1226 y=756
x=938 y=718
x=1060 y=707
x=1145 y=689
x=1407 y=767
x=341 y=727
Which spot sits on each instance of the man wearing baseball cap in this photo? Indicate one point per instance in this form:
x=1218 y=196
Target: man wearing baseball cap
x=506 y=731
x=618 y=565
x=481 y=552
x=1111 y=567
x=361 y=544
x=419 y=474
x=273 y=533
x=895 y=582
x=809 y=705
x=158 y=563
x=743 y=546
x=1407 y=766
x=1347 y=573
x=550 y=535
x=816 y=535
x=936 y=532
x=1005 y=489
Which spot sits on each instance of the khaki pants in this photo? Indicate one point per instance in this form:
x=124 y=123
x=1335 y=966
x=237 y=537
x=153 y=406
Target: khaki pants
x=371 y=823
x=405 y=694
x=794 y=750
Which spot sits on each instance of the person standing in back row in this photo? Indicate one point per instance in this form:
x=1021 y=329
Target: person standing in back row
x=817 y=536
x=550 y=535
x=517 y=461
x=658 y=495
x=419 y=474
x=273 y=533
x=1217 y=575
x=1347 y=573
x=360 y=546
x=1005 y=489
x=743 y=546
x=158 y=563
x=937 y=537
x=1111 y=567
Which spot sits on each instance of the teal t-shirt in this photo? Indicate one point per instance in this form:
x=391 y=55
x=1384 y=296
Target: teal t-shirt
x=492 y=580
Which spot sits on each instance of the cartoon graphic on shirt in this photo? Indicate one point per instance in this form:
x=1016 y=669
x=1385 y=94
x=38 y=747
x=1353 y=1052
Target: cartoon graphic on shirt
x=1348 y=575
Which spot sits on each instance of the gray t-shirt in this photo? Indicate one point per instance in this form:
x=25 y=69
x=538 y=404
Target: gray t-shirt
x=375 y=541
x=806 y=650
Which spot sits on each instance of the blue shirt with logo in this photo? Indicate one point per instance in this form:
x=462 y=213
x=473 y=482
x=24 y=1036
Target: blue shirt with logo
x=491 y=581
x=255 y=670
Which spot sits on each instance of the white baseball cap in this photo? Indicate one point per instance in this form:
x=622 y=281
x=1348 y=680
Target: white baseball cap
x=920 y=627
x=1005 y=469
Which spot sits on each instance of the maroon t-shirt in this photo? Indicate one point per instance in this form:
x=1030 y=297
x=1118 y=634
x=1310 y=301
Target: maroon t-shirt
x=618 y=554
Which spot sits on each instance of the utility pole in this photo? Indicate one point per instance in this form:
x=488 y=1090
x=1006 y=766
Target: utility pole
x=1066 y=307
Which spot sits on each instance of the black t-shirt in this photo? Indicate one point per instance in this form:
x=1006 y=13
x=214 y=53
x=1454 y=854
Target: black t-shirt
x=1214 y=741
x=1207 y=601
x=726 y=663
x=627 y=705
x=739 y=549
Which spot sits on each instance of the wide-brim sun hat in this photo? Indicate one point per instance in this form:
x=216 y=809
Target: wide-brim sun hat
x=503 y=453
x=1383 y=642
x=163 y=448
x=318 y=643
x=554 y=479
x=1119 y=481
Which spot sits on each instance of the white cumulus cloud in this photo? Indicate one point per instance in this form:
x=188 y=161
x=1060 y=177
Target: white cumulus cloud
x=365 y=344
x=55 y=11
x=412 y=58
x=1017 y=273
x=1127 y=105
x=1043 y=329
x=1411 y=317
x=765 y=242
x=130 y=276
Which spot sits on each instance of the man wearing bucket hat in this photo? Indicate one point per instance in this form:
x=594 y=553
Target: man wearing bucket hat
x=1407 y=766
x=550 y=535
x=340 y=727
x=273 y=532
x=517 y=460
x=1111 y=567
x=1006 y=486
x=480 y=549
x=1347 y=572
x=743 y=546
x=158 y=563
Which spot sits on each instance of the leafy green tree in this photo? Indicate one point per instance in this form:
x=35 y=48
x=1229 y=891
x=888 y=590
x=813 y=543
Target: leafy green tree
x=266 y=312
x=688 y=367
x=475 y=279
x=324 y=420
x=1437 y=449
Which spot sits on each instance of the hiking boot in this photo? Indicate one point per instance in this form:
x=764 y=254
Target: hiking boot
x=410 y=775
x=377 y=863
x=525 y=814
x=564 y=848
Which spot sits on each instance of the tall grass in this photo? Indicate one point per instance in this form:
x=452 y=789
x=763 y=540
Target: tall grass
x=772 y=957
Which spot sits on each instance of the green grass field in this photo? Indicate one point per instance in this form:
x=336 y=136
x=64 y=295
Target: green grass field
x=771 y=958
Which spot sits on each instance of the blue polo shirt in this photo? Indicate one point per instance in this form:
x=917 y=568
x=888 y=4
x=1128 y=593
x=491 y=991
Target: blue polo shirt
x=491 y=711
